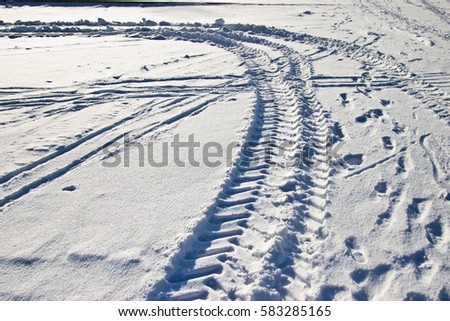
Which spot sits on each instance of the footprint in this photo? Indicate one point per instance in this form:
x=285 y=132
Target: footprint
x=381 y=187
x=443 y=295
x=69 y=188
x=361 y=119
x=336 y=129
x=417 y=260
x=85 y=259
x=359 y=275
x=380 y=270
x=403 y=165
x=398 y=128
x=328 y=292
x=387 y=142
x=434 y=232
x=383 y=217
x=361 y=295
x=353 y=250
x=373 y=113
x=354 y=159
x=416 y=296
x=417 y=207
x=344 y=100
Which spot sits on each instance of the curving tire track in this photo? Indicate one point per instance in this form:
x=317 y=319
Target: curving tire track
x=381 y=65
x=269 y=212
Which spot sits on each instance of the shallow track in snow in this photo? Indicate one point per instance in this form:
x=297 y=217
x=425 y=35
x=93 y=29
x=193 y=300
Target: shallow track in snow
x=261 y=238
x=272 y=209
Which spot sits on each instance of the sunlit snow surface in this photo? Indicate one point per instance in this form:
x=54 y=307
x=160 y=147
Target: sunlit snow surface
x=360 y=87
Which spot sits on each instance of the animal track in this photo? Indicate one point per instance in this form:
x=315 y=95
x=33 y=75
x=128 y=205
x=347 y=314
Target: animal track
x=337 y=131
x=394 y=199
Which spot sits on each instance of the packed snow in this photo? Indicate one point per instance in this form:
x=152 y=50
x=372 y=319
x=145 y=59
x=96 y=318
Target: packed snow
x=328 y=176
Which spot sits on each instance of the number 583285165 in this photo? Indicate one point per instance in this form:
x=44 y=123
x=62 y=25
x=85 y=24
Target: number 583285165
x=295 y=311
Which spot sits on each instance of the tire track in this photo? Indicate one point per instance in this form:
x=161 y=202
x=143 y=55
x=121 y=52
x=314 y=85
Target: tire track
x=430 y=96
x=263 y=234
x=387 y=66
x=388 y=9
x=437 y=11
x=247 y=223
x=43 y=175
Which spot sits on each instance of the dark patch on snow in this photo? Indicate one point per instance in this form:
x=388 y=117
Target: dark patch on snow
x=416 y=296
x=443 y=295
x=328 y=292
x=381 y=269
x=69 y=188
x=381 y=187
x=159 y=38
x=359 y=275
x=387 y=142
x=361 y=295
x=434 y=231
x=354 y=159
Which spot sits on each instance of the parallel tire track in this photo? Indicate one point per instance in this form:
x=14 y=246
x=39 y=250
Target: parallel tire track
x=385 y=65
x=246 y=223
x=43 y=170
x=264 y=232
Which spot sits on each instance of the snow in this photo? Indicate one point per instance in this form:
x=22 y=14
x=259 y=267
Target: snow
x=357 y=92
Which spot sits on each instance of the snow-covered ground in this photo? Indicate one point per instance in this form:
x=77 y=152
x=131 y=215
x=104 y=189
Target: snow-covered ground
x=356 y=206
